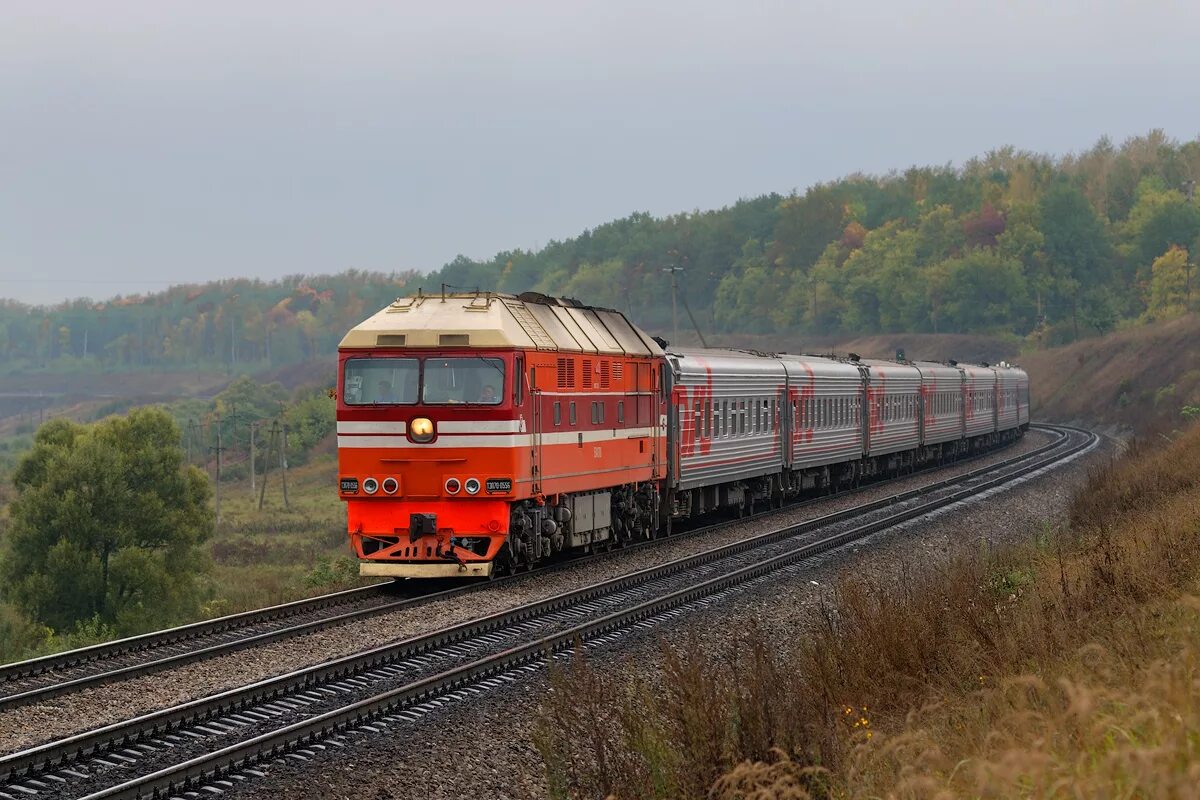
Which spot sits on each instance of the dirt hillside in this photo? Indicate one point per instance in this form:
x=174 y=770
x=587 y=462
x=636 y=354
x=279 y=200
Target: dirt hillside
x=1141 y=378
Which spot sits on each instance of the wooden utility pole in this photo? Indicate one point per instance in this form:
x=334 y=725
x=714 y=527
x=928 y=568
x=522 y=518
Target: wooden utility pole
x=262 y=490
x=1188 y=266
x=218 y=486
x=253 y=427
x=283 y=464
x=674 y=314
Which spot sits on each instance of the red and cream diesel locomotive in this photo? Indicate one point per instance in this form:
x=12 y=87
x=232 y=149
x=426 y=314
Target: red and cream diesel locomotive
x=486 y=432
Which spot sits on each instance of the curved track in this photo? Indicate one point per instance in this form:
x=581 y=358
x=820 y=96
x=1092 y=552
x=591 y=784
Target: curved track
x=216 y=740
x=43 y=678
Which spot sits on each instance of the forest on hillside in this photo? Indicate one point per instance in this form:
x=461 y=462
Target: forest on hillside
x=1048 y=249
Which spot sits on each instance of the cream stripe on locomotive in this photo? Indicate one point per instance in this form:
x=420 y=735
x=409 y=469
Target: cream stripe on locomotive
x=372 y=427
x=515 y=440
x=471 y=426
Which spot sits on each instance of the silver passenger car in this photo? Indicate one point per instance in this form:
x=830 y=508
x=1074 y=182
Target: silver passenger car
x=893 y=407
x=825 y=411
x=979 y=400
x=1012 y=397
x=726 y=420
x=942 y=393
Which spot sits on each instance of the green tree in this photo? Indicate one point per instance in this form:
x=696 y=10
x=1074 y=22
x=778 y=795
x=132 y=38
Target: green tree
x=1160 y=219
x=806 y=225
x=107 y=525
x=983 y=291
x=1076 y=247
x=1168 y=285
x=310 y=418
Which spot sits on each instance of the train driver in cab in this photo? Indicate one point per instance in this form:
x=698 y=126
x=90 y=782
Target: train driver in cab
x=385 y=393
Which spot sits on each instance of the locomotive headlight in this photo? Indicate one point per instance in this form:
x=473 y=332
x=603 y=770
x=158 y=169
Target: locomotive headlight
x=370 y=486
x=421 y=429
x=472 y=486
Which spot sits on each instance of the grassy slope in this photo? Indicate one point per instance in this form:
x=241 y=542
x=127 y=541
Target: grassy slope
x=1139 y=378
x=279 y=554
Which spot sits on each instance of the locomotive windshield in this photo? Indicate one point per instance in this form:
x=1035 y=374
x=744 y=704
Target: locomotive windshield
x=381 y=381
x=464 y=380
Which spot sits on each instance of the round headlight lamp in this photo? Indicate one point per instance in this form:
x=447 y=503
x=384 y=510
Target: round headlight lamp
x=472 y=486
x=421 y=429
x=370 y=486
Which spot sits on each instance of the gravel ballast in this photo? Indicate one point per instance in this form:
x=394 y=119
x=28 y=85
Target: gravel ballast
x=484 y=748
x=30 y=725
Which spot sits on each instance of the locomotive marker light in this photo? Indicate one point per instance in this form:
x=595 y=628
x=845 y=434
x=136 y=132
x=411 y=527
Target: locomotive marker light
x=453 y=486
x=390 y=485
x=421 y=430
x=472 y=486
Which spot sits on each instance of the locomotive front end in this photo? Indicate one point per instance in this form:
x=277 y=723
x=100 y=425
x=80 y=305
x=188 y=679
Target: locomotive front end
x=430 y=425
x=462 y=449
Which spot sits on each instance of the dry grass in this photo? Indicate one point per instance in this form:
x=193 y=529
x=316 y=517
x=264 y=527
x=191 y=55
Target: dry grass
x=1068 y=667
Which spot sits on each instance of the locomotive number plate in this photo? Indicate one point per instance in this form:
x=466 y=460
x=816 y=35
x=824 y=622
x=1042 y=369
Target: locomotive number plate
x=495 y=485
x=349 y=485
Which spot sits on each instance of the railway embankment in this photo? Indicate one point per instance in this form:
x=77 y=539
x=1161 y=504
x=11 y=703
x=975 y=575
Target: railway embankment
x=488 y=746
x=1019 y=666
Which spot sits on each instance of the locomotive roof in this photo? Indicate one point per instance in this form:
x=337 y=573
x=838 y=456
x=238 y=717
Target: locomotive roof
x=528 y=321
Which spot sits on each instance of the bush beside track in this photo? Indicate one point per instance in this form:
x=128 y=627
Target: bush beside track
x=1070 y=660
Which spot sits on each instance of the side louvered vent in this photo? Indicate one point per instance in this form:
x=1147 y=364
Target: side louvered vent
x=605 y=374
x=566 y=373
x=618 y=371
x=587 y=373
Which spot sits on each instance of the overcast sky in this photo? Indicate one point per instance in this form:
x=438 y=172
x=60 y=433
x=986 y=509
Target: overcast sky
x=150 y=143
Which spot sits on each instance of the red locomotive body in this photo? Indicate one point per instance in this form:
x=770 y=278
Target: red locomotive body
x=483 y=429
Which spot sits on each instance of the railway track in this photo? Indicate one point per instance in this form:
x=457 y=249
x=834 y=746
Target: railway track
x=41 y=679
x=215 y=741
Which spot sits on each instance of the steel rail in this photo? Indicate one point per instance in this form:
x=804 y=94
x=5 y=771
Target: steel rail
x=150 y=642
x=48 y=756
x=83 y=655
x=229 y=761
